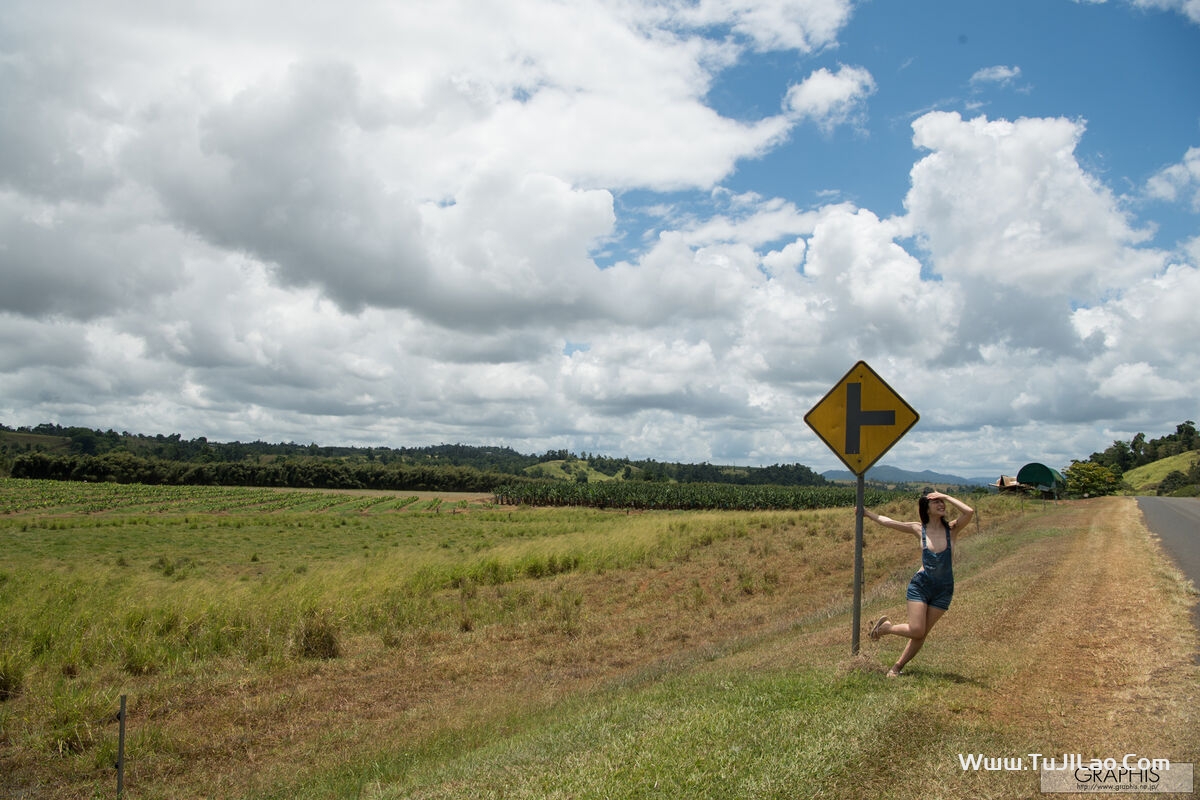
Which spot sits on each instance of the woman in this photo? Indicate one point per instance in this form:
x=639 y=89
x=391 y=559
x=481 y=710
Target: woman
x=932 y=587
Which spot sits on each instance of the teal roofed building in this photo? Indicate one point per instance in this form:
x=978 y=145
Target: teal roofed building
x=1042 y=478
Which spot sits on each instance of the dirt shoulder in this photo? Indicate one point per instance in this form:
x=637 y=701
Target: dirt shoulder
x=1107 y=641
x=1079 y=642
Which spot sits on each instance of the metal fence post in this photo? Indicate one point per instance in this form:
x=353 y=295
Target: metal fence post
x=120 y=765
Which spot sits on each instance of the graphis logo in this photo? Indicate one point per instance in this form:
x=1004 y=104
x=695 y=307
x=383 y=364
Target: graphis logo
x=1072 y=773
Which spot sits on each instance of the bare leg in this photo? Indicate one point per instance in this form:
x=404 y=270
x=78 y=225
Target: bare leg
x=921 y=618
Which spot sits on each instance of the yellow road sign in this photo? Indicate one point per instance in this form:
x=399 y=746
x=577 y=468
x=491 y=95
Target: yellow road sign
x=861 y=418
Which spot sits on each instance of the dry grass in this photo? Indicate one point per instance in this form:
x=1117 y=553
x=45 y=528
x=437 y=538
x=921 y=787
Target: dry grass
x=1077 y=640
x=1081 y=644
x=588 y=630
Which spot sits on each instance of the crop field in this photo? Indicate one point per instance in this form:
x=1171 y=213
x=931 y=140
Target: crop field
x=314 y=644
x=663 y=496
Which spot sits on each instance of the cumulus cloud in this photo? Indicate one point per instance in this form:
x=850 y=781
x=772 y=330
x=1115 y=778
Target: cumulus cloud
x=82 y=260
x=829 y=98
x=1049 y=275
x=1131 y=324
x=383 y=228
x=1007 y=203
x=1178 y=181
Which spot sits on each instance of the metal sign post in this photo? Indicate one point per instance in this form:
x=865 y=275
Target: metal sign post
x=856 y=617
x=860 y=419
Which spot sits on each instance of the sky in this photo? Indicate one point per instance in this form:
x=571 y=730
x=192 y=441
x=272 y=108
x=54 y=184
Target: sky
x=638 y=228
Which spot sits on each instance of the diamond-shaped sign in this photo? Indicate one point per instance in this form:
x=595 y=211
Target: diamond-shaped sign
x=861 y=418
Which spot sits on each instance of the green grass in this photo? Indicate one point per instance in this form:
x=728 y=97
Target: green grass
x=698 y=735
x=1145 y=479
x=163 y=581
x=21 y=442
x=570 y=470
x=216 y=584
x=705 y=729
x=718 y=724
x=177 y=592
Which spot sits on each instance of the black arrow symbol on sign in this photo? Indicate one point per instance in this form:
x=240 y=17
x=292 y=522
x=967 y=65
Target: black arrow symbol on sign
x=856 y=418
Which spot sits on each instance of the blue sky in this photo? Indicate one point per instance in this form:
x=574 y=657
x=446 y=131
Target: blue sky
x=648 y=229
x=1129 y=73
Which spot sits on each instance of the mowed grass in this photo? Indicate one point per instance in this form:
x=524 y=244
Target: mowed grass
x=314 y=645
x=692 y=735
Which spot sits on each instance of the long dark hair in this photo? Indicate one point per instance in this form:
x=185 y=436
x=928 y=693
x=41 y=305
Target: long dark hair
x=923 y=505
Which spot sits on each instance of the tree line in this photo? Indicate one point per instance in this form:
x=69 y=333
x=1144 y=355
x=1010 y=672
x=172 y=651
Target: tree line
x=54 y=451
x=308 y=473
x=1121 y=457
x=1102 y=472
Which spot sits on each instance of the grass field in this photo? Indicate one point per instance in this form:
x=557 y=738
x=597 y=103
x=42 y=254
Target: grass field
x=339 y=644
x=1144 y=480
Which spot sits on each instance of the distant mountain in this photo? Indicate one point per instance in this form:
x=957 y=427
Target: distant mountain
x=889 y=474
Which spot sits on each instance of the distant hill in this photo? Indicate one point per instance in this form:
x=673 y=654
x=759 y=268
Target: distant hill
x=569 y=471
x=1146 y=478
x=22 y=441
x=890 y=474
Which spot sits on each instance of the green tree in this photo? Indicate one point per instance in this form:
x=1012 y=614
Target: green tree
x=1137 y=447
x=1188 y=438
x=1173 y=482
x=1089 y=479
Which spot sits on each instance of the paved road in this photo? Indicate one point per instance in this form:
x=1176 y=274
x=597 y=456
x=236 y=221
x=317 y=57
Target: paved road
x=1176 y=521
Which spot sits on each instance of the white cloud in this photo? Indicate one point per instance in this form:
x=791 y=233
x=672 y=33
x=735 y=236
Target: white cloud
x=1007 y=203
x=342 y=174
x=831 y=99
x=1136 y=323
x=512 y=248
x=802 y=25
x=1001 y=75
x=295 y=223
x=1189 y=8
x=1140 y=382
x=873 y=288
x=1178 y=180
